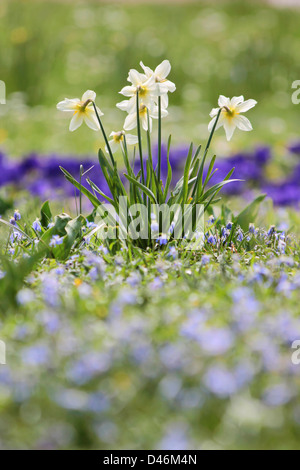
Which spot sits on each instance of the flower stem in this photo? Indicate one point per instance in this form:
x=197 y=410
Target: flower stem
x=196 y=189
x=139 y=135
x=159 y=144
x=104 y=134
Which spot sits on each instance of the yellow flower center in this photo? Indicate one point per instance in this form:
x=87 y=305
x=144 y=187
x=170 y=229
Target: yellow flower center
x=118 y=137
x=230 y=112
x=143 y=109
x=82 y=106
x=143 y=91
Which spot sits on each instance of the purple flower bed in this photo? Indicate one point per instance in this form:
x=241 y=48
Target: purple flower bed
x=41 y=176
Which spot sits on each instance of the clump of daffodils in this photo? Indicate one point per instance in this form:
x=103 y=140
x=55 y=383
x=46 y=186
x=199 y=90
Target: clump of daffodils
x=147 y=99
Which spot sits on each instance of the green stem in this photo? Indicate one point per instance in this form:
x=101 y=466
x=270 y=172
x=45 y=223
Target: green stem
x=104 y=134
x=200 y=172
x=139 y=135
x=159 y=144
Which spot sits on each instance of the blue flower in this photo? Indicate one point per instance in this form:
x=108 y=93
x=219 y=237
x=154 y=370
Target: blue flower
x=17 y=215
x=162 y=240
x=211 y=240
x=56 y=240
x=37 y=226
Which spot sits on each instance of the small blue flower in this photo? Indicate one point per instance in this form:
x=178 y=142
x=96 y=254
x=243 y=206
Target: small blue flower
x=229 y=225
x=271 y=230
x=162 y=240
x=56 y=240
x=37 y=226
x=211 y=220
x=205 y=260
x=251 y=228
x=17 y=215
x=91 y=224
x=240 y=235
x=12 y=221
x=211 y=240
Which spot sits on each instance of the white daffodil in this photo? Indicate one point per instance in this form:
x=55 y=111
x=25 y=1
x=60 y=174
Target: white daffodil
x=231 y=117
x=160 y=75
x=82 y=110
x=147 y=88
x=131 y=119
x=118 y=138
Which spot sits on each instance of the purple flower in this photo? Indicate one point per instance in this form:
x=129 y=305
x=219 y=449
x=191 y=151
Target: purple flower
x=56 y=240
x=37 y=226
x=17 y=215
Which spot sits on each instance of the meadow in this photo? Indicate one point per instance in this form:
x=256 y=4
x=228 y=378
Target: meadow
x=165 y=342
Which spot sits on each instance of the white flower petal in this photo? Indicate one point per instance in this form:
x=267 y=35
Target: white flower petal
x=131 y=139
x=88 y=95
x=243 y=107
x=171 y=86
x=163 y=69
x=214 y=112
x=236 y=100
x=99 y=111
x=127 y=105
x=211 y=124
x=223 y=101
x=135 y=77
x=243 y=123
x=114 y=146
x=76 y=121
x=165 y=101
x=128 y=91
x=68 y=105
x=229 y=127
x=147 y=70
x=130 y=122
x=90 y=119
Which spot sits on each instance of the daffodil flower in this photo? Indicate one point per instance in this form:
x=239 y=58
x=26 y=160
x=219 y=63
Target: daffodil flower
x=146 y=86
x=82 y=110
x=160 y=76
x=131 y=120
x=231 y=117
x=118 y=138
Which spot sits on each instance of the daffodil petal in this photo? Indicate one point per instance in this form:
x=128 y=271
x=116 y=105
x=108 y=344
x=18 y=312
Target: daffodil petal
x=236 y=100
x=88 y=95
x=130 y=122
x=163 y=69
x=90 y=119
x=147 y=70
x=223 y=101
x=229 y=127
x=131 y=139
x=76 y=121
x=243 y=123
x=68 y=105
x=243 y=107
x=128 y=91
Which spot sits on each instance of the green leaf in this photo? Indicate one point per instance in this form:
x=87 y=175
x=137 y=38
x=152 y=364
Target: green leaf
x=96 y=203
x=145 y=190
x=249 y=214
x=46 y=215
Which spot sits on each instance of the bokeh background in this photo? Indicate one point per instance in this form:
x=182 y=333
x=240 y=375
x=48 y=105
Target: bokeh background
x=52 y=49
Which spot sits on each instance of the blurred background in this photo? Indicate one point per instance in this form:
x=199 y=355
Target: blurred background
x=55 y=49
